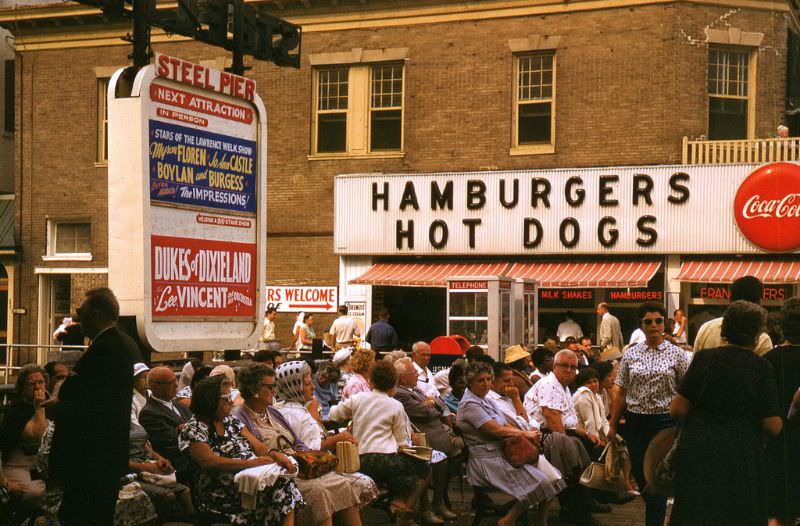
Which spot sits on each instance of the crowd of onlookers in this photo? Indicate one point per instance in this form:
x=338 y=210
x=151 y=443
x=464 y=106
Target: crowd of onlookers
x=218 y=444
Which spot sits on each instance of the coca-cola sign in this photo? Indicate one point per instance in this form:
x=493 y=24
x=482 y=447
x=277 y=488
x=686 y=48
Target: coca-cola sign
x=767 y=207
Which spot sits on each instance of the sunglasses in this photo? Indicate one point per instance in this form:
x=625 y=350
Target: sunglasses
x=651 y=321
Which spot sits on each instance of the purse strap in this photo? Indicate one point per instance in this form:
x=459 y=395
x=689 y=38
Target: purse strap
x=283 y=440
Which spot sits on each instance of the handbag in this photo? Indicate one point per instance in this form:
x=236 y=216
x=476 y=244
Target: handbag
x=347 y=453
x=310 y=464
x=418 y=452
x=598 y=475
x=664 y=475
x=519 y=451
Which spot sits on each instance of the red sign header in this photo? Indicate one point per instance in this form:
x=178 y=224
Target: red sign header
x=186 y=72
x=468 y=285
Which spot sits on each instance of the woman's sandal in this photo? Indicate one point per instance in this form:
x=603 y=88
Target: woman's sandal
x=401 y=515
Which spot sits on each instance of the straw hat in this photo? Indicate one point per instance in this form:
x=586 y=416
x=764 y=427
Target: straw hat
x=610 y=354
x=514 y=353
x=656 y=451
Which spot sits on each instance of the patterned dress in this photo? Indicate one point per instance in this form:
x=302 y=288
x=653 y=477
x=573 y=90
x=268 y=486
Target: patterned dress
x=216 y=492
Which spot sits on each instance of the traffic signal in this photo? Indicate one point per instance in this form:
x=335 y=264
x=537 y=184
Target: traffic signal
x=277 y=40
x=215 y=17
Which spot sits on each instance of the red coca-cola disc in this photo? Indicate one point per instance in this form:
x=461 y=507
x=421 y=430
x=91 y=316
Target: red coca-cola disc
x=767 y=207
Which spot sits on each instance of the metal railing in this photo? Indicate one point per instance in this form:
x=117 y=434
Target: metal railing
x=703 y=151
x=39 y=354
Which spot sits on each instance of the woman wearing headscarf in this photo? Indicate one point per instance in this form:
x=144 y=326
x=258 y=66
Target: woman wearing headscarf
x=327 y=496
x=298 y=406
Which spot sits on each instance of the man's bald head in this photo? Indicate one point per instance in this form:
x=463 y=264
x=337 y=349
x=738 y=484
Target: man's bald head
x=163 y=383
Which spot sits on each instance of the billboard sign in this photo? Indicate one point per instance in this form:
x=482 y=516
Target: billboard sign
x=187 y=217
x=302 y=299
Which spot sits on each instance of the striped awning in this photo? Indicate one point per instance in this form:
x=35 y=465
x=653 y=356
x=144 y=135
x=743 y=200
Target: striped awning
x=549 y=274
x=588 y=274
x=425 y=274
x=728 y=271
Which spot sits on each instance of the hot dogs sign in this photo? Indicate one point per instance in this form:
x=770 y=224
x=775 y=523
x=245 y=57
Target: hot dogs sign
x=202 y=183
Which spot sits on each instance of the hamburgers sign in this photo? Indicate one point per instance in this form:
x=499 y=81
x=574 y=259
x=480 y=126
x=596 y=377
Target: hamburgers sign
x=767 y=207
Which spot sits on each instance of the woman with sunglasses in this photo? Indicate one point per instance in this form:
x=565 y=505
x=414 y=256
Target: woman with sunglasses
x=220 y=446
x=328 y=497
x=648 y=378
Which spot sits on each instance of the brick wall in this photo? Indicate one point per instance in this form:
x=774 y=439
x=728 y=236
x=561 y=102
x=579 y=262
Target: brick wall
x=631 y=82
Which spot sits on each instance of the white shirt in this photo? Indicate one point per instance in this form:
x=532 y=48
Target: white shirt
x=507 y=408
x=168 y=404
x=380 y=423
x=637 y=337
x=442 y=382
x=548 y=392
x=569 y=328
x=425 y=381
x=303 y=424
x=343 y=329
x=591 y=411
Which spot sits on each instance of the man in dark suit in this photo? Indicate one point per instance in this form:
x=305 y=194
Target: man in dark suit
x=163 y=417
x=427 y=414
x=89 y=453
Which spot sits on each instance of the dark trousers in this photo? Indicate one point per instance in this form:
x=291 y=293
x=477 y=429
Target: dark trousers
x=639 y=431
x=90 y=501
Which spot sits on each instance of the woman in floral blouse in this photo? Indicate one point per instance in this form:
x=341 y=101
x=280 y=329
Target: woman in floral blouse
x=220 y=446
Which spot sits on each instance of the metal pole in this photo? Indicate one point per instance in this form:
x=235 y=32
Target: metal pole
x=237 y=66
x=141 y=34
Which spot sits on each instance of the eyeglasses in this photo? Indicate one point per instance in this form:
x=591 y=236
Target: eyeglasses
x=567 y=366
x=230 y=397
x=650 y=321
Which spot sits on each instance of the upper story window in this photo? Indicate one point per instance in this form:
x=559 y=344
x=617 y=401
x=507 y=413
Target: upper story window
x=102 y=121
x=534 y=102
x=730 y=91
x=358 y=110
x=69 y=240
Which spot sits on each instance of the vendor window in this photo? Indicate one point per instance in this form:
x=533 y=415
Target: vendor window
x=730 y=87
x=358 y=110
x=534 y=100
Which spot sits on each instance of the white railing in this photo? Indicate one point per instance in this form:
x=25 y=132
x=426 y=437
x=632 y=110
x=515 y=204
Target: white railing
x=39 y=354
x=740 y=151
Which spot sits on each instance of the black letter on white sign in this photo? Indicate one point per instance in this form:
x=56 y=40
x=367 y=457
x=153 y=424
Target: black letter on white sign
x=441 y=226
x=471 y=224
x=441 y=199
x=380 y=196
x=407 y=234
x=409 y=197
x=532 y=241
x=476 y=195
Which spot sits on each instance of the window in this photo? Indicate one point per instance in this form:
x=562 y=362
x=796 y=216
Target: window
x=729 y=105
x=534 y=97
x=359 y=109
x=102 y=121
x=8 y=90
x=69 y=240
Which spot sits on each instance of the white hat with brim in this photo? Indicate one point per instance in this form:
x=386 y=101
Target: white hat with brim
x=139 y=368
x=341 y=356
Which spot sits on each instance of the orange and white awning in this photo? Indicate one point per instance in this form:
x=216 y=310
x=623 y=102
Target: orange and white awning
x=587 y=274
x=576 y=274
x=728 y=271
x=425 y=274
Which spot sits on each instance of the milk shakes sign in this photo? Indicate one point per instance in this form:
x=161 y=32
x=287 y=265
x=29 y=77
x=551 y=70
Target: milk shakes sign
x=767 y=207
x=202 y=183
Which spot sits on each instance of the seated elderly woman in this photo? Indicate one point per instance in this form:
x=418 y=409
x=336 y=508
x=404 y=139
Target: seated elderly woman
x=484 y=427
x=20 y=435
x=296 y=403
x=329 y=496
x=220 y=446
x=381 y=427
x=361 y=364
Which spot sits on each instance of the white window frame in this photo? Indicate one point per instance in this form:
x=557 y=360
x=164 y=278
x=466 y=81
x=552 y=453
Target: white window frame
x=52 y=229
x=752 y=75
x=359 y=112
x=536 y=148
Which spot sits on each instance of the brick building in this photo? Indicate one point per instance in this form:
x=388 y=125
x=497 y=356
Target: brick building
x=406 y=88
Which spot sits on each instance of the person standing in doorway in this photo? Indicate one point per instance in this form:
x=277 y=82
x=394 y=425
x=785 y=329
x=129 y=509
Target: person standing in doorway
x=92 y=418
x=268 y=340
x=569 y=328
x=381 y=336
x=610 y=333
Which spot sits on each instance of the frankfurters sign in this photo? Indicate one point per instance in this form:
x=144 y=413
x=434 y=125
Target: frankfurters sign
x=302 y=299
